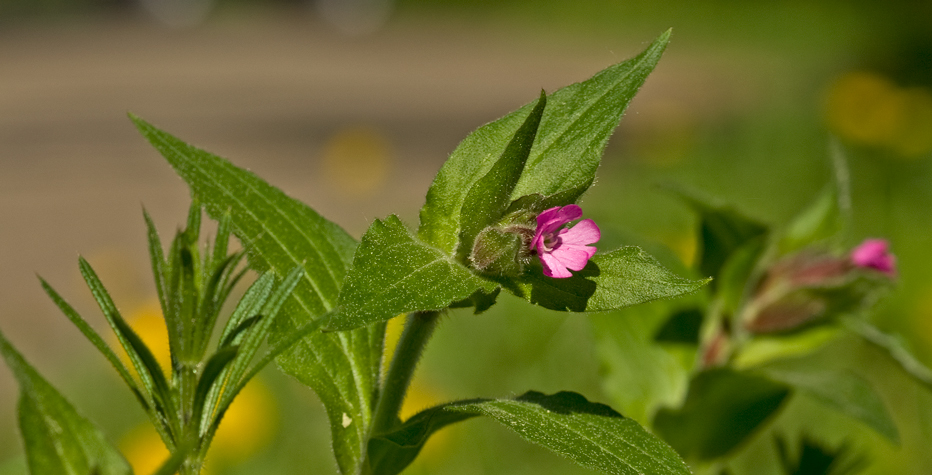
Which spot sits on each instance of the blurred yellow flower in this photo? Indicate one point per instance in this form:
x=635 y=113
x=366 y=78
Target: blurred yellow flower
x=248 y=425
x=146 y=320
x=869 y=109
x=143 y=449
x=356 y=160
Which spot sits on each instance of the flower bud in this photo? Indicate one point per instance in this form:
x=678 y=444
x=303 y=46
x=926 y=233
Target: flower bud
x=502 y=251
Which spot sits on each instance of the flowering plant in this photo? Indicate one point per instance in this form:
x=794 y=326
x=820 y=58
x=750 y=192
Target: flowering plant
x=494 y=219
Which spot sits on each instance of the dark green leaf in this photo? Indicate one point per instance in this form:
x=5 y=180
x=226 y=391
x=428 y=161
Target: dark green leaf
x=280 y=233
x=841 y=390
x=212 y=370
x=58 y=440
x=489 y=196
x=570 y=140
x=737 y=272
x=723 y=409
x=610 y=281
x=148 y=369
x=592 y=435
x=722 y=231
x=391 y=452
x=682 y=327
x=394 y=273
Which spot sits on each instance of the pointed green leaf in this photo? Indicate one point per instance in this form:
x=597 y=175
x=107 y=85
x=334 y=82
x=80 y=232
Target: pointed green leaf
x=723 y=409
x=394 y=273
x=280 y=233
x=98 y=342
x=57 y=439
x=570 y=140
x=610 y=281
x=490 y=196
x=592 y=435
x=843 y=391
x=148 y=369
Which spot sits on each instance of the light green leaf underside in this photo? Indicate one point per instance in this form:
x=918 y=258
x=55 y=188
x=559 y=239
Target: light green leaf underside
x=280 y=233
x=57 y=439
x=394 y=273
x=573 y=132
x=590 y=434
x=610 y=281
x=844 y=392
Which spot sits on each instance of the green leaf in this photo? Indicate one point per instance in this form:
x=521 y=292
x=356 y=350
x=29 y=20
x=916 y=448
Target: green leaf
x=394 y=273
x=764 y=348
x=610 y=281
x=490 y=196
x=592 y=435
x=894 y=347
x=279 y=234
x=828 y=215
x=57 y=439
x=639 y=375
x=737 y=272
x=572 y=135
x=391 y=452
x=723 y=409
x=841 y=390
x=148 y=369
x=98 y=342
x=722 y=231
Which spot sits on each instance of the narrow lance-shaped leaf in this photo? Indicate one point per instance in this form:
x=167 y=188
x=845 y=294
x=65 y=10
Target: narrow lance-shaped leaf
x=570 y=141
x=395 y=273
x=57 y=439
x=148 y=369
x=610 y=281
x=279 y=234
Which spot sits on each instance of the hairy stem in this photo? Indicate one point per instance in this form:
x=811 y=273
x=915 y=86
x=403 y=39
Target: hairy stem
x=419 y=327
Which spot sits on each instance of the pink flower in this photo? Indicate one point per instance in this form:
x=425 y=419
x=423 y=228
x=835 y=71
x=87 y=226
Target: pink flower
x=563 y=249
x=873 y=254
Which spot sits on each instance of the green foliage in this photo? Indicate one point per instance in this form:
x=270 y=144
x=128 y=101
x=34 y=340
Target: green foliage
x=572 y=134
x=843 y=391
x=610 y=281
x=280 y=233
x=592 y=435
x=394 y=273
x=56 y=437
x=722 y=410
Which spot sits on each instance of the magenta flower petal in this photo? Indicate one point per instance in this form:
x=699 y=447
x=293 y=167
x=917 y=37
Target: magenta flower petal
x=583 y=233
x=561 y=250
x=553 y=267
x=874 y=254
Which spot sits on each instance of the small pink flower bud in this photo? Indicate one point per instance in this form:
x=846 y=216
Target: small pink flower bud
x=874 y=254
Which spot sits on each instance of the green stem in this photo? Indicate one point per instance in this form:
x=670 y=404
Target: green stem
x=419 y=326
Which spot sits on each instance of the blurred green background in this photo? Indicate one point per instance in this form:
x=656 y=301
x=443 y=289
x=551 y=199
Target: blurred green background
x=353 y=105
